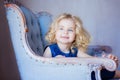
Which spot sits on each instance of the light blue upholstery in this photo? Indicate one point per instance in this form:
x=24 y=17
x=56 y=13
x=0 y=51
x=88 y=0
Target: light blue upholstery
x=45 y=20
x=34 y=32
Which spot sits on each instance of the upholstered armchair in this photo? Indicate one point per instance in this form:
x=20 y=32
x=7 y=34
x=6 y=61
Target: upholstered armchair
x=27 y=42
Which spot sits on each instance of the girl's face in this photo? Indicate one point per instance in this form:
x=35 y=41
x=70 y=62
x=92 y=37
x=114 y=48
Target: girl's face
x=65 y=32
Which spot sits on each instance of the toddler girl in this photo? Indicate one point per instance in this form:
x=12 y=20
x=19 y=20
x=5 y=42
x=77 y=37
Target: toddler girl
x=68 y=38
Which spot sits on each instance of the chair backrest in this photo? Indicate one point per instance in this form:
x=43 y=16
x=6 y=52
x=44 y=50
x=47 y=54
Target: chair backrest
x=34 y=32
x=45 y=20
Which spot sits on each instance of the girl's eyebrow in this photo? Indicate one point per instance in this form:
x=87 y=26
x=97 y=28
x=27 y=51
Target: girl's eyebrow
x=63 y=26
x=71 y=27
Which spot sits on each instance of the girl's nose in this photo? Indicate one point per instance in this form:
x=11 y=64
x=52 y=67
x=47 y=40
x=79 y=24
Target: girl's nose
x=65 y=31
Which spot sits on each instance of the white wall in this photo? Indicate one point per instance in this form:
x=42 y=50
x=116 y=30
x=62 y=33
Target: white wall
x=100 y=17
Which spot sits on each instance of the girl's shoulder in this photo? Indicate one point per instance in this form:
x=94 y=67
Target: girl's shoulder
x=82 y=54
x=47 y=52
x=50 y=46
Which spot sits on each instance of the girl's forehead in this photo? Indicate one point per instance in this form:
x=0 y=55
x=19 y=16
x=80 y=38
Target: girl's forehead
x=67 y=22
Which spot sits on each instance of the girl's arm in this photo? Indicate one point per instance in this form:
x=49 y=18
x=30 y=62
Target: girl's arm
x=82 y=54
x=47 y=52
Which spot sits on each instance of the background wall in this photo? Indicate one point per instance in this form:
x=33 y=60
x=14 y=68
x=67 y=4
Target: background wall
x=100 y=17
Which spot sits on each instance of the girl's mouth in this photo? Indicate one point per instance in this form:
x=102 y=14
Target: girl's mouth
x=65 y=37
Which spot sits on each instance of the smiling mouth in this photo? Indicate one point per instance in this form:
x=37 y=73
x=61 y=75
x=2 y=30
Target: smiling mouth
x=65 y=37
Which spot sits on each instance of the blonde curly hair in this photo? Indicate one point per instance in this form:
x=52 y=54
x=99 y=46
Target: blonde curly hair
x=82 y=37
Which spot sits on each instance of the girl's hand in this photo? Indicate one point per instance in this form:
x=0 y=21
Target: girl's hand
x=113 y=57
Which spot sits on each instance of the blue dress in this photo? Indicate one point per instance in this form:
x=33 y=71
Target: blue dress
x=56 y=51
x=105 y=74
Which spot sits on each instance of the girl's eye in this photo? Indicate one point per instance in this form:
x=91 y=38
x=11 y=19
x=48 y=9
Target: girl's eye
x=70 y=30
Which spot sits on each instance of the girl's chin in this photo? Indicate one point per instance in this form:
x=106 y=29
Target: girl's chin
x=63 y=42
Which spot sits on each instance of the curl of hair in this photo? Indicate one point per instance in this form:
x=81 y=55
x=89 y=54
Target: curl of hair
x=82 y=36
